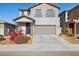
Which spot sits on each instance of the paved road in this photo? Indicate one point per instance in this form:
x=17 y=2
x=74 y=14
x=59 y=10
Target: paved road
x=42 y=45
x=40 y=53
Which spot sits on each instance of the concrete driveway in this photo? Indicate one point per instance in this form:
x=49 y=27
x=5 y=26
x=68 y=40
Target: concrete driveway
x=50 y=42
x=41 y=45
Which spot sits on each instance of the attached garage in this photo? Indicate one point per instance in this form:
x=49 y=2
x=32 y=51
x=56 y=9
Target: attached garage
x=45 y=30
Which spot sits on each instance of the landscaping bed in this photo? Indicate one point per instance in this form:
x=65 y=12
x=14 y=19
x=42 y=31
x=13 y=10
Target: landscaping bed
x=70 y=38
x=15 y=38
x=22 y=41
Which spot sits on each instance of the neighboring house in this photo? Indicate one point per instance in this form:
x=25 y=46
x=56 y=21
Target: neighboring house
x=72 y=24
x=63 y=19
x=6 y=27
x=39 y=19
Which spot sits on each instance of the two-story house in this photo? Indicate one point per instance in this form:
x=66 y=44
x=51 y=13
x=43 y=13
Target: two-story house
x=70 y=21
x=63 y=20
x=39 y=19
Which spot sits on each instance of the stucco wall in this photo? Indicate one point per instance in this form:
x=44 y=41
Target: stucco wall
x=8 y=28
x=1 y=29
x=45 y=20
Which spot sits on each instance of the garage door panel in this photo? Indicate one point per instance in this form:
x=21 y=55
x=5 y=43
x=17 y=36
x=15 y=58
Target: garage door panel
x=45 y=30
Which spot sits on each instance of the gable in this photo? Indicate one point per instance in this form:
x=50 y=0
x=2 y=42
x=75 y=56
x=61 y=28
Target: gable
x=44 y=5
x=35 y=5
x=24 y=20
x=50 y=4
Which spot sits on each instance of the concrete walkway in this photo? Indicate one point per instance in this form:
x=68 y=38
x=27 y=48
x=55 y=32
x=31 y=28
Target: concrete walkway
x=41 y=45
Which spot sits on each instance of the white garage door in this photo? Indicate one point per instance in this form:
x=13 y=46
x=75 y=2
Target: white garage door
x=45 y=30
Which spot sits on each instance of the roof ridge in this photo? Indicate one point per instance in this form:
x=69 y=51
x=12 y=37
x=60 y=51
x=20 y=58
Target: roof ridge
x=36 y=4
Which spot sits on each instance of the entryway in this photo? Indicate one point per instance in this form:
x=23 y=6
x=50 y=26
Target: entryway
x=70 y=28
x=28 y=28
x=25 y=27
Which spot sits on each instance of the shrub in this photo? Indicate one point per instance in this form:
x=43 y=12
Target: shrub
x=12 y=36
x=21 y=39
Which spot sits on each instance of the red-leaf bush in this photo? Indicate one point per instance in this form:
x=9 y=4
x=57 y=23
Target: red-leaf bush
x=12 y=35
x=18 y=37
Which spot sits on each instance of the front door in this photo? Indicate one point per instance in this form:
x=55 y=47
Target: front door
x=28 y=28
x=71 y=28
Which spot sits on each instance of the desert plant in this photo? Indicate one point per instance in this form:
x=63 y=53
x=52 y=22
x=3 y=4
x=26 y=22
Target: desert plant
x=20 y=39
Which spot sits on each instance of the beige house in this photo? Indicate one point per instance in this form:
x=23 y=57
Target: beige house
x=6 y=27
x=39 y=19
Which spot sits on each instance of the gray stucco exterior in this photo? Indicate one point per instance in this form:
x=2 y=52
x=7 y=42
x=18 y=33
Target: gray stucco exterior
x=43 y=25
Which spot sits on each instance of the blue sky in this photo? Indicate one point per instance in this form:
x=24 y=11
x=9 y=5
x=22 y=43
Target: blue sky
x=9 y=11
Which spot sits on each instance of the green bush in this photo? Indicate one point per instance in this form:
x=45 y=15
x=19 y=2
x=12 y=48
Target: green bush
x=21 y=39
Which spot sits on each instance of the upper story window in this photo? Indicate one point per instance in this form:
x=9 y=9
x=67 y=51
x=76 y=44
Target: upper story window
x=50 y=13
x=22 y=13
x=38 y=13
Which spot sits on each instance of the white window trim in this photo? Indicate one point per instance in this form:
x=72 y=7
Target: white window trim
x=50 y=15
x=38 y=14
